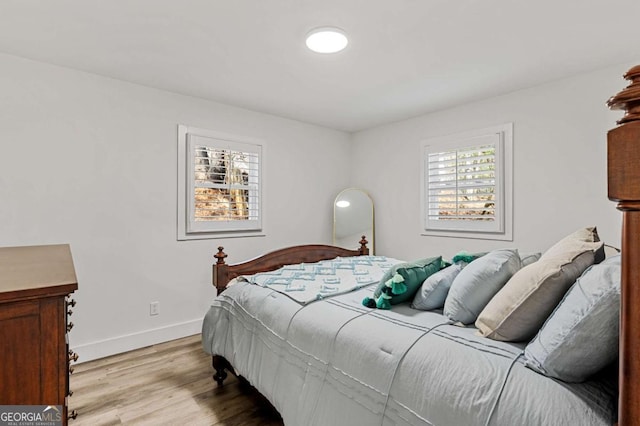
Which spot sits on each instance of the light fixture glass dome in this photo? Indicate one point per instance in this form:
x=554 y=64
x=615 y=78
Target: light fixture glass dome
x=327 y=40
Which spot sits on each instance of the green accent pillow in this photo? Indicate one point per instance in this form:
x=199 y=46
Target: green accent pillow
x=414 y=274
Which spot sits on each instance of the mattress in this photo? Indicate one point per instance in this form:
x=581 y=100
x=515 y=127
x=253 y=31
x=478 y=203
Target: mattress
x=335 y=362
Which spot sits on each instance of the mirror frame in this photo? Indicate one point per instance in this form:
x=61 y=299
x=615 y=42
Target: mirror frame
x=370 y=238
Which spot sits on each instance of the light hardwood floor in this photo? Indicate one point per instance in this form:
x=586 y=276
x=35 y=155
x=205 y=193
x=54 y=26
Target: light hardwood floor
x=165 y=384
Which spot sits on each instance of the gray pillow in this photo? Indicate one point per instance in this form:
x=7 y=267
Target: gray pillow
x=581 y=335
x=478 y=282
x=435 y=288
x=528 y=259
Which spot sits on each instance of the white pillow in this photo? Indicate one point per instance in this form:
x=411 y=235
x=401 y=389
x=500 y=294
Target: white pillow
x=519 y=309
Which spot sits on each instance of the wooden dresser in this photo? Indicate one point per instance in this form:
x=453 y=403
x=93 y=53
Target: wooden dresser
x=35 y=285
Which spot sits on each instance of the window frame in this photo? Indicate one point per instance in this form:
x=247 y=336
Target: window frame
x=502 y=227
x=187 y=227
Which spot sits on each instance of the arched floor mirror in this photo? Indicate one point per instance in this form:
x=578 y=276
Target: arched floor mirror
x=353 y=218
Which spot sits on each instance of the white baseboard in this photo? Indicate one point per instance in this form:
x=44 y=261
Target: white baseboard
x=128 y=342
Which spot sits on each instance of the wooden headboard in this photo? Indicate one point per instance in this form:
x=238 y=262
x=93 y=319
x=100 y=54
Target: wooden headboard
x=623 y=170
x=223 y=273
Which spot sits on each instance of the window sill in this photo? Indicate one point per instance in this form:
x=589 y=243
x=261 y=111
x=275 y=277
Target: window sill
x=219 y=235
x=472 y=235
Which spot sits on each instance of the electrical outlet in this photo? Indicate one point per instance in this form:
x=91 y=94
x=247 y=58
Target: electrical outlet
x=154 y=308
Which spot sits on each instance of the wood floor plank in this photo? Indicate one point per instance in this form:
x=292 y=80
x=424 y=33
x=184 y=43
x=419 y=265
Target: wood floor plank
x=164 y=384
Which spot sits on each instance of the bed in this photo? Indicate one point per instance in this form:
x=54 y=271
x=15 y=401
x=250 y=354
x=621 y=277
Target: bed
x=334 y=361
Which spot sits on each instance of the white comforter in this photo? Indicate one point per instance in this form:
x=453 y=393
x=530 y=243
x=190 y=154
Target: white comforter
x=335 y=362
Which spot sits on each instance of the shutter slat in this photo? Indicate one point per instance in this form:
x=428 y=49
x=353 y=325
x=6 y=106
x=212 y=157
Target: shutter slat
x=460 y=183
x=226 y=184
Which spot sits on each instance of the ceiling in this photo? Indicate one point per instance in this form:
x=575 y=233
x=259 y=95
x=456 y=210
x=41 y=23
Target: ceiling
x=405 y=57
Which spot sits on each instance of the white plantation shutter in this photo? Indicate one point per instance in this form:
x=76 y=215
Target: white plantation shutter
x=463 y=183
x=223 y=185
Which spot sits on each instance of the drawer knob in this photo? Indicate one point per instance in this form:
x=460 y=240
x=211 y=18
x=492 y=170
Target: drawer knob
x=70 y=392
x=72 y=302
x=69 y=312
x=73 y=356
x=73 y=414
x=69 y=326
x=71 y=370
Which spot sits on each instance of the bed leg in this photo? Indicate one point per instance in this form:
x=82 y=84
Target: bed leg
x=219 y=364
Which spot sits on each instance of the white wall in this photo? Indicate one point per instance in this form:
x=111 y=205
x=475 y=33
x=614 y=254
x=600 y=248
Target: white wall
x=91 y=161
x=559 y=166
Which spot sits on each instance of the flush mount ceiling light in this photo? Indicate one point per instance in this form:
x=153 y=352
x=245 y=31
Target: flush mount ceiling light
x=326 y=40
x=343 y=203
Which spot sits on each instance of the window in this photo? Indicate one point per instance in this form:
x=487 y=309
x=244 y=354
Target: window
x=466 y=181
x=219 y=188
